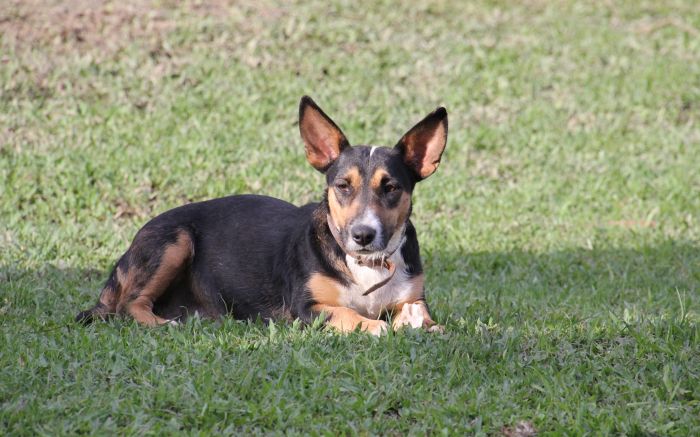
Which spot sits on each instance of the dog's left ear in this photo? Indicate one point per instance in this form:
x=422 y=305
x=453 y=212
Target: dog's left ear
x=322 y=138
x=422 y=146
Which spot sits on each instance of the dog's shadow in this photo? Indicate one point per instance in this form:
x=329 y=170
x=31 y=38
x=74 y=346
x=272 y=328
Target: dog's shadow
x=657 y=278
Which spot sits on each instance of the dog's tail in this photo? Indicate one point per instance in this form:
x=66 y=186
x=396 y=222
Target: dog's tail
x=106 y=306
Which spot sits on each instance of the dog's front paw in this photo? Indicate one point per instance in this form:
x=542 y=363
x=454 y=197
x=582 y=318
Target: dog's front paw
x=375 y=327
x=411 y=315
x=416 y=316
x=439 y=329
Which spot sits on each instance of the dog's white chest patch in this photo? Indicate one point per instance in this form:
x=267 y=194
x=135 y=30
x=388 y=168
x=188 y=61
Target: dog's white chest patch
x=398 y=289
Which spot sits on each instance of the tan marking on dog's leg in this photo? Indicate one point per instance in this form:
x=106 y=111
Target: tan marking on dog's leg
x=141 y=309
x=174 y=256
x=127 y=281
x=106 y=305
x=323 y=289
x=347 y=320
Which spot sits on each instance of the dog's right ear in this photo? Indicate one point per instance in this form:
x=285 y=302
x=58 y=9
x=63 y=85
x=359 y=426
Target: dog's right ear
x=323 y=140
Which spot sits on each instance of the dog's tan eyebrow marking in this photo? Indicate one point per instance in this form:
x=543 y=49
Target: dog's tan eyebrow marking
x=342 y=214
x=353 y=176
x=377 y=177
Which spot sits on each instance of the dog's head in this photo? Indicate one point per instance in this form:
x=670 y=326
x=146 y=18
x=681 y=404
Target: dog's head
x=369 y=188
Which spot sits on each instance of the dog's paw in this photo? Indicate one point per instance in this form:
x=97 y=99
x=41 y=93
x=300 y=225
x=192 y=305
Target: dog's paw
x=438 y=329
x=411 y=315
x=416 y=316
x=375 y=327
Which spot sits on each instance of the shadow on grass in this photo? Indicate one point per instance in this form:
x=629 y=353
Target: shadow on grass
x=589 y=279
x=598 y=278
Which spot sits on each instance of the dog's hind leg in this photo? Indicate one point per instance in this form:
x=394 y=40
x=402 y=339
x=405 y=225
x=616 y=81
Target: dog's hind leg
x=142 y=275
x=106 y=305
x=143 y=285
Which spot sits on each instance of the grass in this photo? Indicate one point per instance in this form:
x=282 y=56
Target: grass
x=561 y=235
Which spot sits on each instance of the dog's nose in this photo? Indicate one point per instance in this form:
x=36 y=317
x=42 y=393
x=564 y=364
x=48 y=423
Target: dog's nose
x=363 y=234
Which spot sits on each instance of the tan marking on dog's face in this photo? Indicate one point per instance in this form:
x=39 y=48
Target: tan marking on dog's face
x=354 y=177
x=375 y=181
x=323 y=289
x=403 y=209
x=394 y=218
x=345 y=207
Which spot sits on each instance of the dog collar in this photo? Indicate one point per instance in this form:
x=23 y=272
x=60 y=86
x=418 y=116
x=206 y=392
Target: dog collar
x=383 y=263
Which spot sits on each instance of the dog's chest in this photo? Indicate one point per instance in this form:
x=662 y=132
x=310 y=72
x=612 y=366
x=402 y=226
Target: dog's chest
x=400 y=288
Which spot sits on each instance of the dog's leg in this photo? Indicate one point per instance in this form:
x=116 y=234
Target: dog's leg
x=140 y=288
x=106 y=305
x=416 y=315
x=347 y=320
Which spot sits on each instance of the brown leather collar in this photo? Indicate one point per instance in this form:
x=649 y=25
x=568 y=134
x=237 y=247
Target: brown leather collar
x=382 y=264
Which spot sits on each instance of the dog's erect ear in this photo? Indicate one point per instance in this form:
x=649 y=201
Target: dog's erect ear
x=422 y=146
x=322 y=138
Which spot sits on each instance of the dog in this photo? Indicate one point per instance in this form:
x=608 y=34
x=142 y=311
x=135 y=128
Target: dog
x=352 y=258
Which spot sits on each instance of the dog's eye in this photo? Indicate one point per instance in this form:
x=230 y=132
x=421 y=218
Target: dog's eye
x=390 y=187
x=343 y=186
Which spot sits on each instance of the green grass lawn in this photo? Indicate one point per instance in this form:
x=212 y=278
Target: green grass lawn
x=560 y=236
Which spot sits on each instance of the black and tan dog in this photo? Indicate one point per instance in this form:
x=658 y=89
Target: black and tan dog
x=353 y=257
